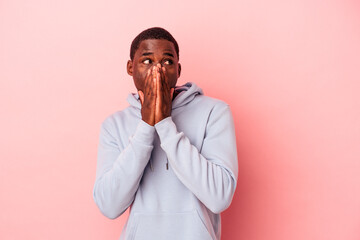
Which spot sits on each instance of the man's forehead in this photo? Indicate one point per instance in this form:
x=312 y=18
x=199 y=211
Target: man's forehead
x=156 y=44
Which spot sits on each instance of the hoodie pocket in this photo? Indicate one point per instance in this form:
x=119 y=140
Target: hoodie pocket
x=164 y=226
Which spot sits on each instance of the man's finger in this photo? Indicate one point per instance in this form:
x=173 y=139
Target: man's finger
x=158 y=89
x=163 y=75
x=172 y=93
x=165 y=81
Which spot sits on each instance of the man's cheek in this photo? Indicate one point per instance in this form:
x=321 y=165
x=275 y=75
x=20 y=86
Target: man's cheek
x=140 y=77
x=172 y=78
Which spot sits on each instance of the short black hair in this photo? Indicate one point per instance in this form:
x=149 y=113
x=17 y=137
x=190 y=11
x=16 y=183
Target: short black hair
x=152 y=33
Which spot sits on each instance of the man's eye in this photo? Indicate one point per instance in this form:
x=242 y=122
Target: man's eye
x=168 y=62
x=147 y=61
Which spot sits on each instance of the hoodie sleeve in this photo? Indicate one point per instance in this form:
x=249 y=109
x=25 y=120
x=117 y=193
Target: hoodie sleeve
x=211 y=174
x=119 y=171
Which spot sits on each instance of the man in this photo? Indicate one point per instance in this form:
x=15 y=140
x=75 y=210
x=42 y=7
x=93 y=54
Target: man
x=170 y=156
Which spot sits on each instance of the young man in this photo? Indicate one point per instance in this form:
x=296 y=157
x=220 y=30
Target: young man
x=170 y=156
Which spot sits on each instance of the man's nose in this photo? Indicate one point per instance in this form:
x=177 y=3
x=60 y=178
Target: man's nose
x=157 y=64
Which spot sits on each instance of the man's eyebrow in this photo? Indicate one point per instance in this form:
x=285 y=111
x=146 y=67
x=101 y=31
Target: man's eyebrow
x=146 y=53
x=168 y=54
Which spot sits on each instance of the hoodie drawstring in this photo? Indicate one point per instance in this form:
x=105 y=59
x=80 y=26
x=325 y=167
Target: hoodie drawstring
x=167 y=165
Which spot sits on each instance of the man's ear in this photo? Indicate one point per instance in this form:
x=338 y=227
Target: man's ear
x=129 y=67
x=179 y=70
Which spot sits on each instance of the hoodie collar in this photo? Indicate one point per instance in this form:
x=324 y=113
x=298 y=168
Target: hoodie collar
x=186 y=93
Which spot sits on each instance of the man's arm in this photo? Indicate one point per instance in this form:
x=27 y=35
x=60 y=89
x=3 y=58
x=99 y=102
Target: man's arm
x=119 y=172
x=212 y=173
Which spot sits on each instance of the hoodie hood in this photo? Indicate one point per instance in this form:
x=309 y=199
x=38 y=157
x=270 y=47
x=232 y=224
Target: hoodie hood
x=186 y=93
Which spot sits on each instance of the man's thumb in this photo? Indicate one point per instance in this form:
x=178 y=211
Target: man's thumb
x=172 y=93
x=141 y=95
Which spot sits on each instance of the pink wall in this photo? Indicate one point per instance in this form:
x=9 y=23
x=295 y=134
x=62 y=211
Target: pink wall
x=288 y=69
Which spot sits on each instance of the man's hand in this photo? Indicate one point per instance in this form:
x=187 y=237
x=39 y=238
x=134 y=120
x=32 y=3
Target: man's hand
x=148 y=98
x=164 y=95
x=157 y=96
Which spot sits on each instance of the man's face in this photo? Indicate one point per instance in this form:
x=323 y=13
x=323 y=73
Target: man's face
x=150 y=53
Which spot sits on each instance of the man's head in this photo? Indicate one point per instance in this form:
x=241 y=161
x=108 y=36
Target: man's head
x=152 y=33
x=150 y=47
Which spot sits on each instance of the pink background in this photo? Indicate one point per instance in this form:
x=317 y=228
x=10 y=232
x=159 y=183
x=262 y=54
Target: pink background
x=290 y=71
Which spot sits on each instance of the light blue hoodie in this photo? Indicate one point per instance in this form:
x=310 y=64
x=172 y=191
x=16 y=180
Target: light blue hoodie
x=183 y=201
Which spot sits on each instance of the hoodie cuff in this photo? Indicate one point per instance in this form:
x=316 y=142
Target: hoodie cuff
x=166 y=128
x=144 y=133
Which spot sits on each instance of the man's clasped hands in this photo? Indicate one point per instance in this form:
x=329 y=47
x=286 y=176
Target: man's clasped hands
x=156 y=97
